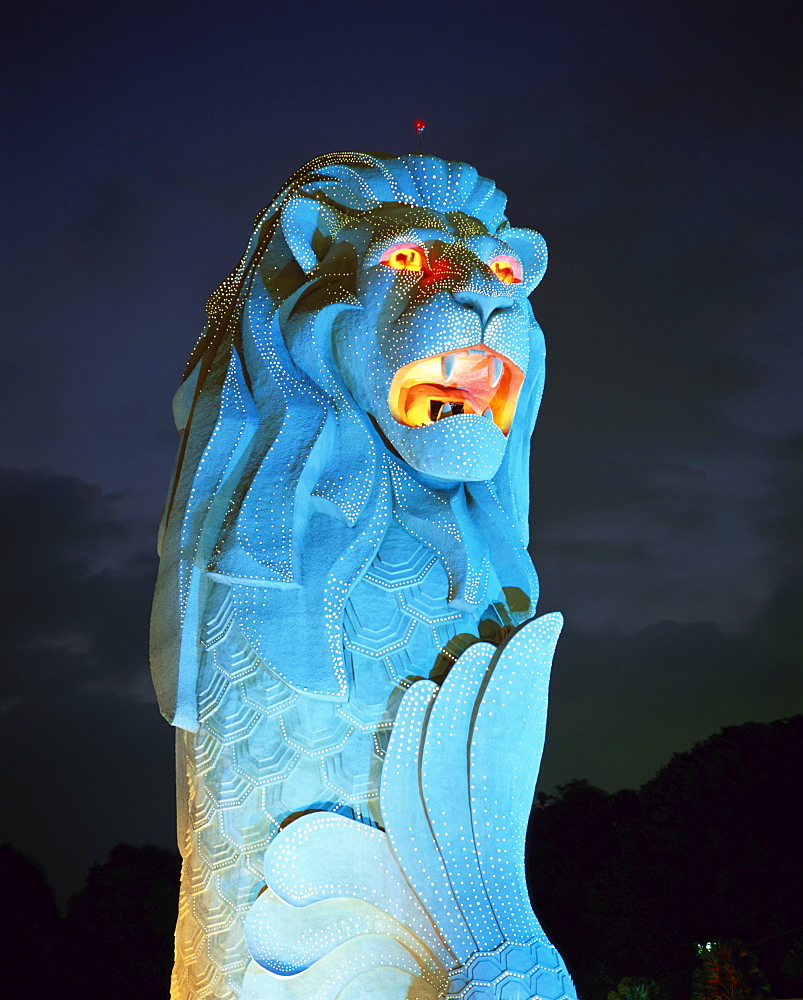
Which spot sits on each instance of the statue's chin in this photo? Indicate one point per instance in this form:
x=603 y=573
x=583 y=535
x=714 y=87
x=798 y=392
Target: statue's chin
x=462 y=448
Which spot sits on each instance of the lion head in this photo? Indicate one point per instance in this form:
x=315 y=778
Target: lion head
x=373 y=355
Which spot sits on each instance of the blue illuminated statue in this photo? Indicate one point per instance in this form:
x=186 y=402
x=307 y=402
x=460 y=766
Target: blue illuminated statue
x=343 y=628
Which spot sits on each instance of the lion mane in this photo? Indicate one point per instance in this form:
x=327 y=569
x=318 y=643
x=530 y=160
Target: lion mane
x=284 y=487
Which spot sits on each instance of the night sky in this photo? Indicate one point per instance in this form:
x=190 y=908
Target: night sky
x=656 y=147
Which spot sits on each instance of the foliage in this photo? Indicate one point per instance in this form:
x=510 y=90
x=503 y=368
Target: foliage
x=126 y=914
x=635 y=988
x=728 y=970
x=624 y=884
x=793 y=960
x=31 y=927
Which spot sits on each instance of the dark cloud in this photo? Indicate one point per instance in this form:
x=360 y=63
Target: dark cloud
x=88 y=758
x=82 y=773
x=76 y=590
x=637 y=531
x=621 y=705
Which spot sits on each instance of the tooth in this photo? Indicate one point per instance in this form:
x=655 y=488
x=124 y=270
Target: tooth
x=489 y=413
x=435 y=409
x=495 y=369
x=447 y=365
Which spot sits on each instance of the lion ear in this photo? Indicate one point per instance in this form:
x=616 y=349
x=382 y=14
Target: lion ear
x=530 y=248
x=308 y=228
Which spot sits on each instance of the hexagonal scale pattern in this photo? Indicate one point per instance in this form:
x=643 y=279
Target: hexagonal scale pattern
x=264 y=752
x=232 y=718
x=353 y=772
x=315 y=727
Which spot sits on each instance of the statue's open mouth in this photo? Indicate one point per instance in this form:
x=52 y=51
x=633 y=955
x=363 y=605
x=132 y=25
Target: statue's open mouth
x=473 y=380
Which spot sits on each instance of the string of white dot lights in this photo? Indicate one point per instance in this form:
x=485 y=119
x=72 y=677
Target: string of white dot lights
x=342 y=629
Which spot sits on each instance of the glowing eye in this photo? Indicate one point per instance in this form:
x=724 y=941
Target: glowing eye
x=507 y=269
x=404 y=257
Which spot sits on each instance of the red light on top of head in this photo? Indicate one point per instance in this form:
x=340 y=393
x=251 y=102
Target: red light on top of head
x=405 y=257
x=420 y=126
x=507 y=269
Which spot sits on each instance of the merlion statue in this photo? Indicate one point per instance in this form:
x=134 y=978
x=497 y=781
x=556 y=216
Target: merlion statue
x=343 y=628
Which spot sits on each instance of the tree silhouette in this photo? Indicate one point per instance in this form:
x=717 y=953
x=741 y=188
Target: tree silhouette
x=626 y=885
x=723 y=842
x=728 y=970
x=792 y=965
x=635 y=988
x=32 y=928
x=119 y=927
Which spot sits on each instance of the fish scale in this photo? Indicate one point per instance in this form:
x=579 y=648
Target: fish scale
x=284 y=752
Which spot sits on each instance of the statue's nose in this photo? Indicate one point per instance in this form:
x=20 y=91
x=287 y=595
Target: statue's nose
x=484 y=305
